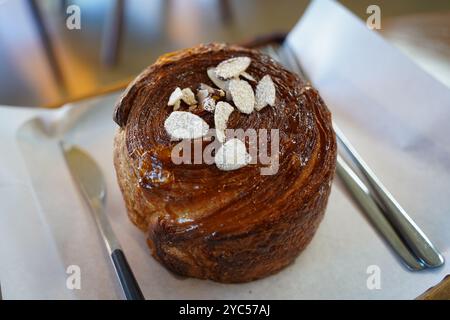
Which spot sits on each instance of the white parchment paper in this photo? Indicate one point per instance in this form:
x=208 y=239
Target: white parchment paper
x=394 y=113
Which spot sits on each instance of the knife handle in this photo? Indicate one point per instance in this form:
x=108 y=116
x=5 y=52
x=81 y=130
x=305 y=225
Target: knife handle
x=126 y=277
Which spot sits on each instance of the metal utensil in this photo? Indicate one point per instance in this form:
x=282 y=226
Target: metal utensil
x=411 y=234
x=361 y=195
x=409 y=230
x=90 y=181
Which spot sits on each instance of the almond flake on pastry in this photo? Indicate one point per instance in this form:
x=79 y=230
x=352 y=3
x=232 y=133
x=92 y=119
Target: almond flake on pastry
x=242 y=95
x=212 y=91
x=232 y=155
x=265 y=93
x=177 y=105
x=188 y=96
x=221 y=84
x=185 y=125
x=221 y=115
x=206 y=102
x=175 y=97
x=233 y=67
x=247 y=76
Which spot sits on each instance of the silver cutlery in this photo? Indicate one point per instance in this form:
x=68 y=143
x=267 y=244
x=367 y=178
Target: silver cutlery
x=90 y=181
x=361 y=195
x=416 y=240
x=390 y=219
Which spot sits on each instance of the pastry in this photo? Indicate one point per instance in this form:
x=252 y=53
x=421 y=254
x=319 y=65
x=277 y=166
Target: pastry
x=227 y=222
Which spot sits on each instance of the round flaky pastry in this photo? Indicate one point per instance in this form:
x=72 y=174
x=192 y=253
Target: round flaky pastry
x=227 y=226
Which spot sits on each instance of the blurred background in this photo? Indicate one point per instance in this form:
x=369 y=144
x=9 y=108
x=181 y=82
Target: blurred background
x=44 y=63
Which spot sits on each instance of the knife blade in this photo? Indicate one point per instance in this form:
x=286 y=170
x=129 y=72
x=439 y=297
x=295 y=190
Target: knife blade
x=89 y=179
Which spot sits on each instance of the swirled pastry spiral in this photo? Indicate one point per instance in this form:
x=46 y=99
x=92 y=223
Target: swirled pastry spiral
x=227 y=226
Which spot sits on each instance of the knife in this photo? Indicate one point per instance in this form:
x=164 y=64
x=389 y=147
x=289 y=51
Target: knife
x=91 y=183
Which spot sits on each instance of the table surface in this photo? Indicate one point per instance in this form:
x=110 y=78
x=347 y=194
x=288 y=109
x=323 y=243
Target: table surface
x=76 y=66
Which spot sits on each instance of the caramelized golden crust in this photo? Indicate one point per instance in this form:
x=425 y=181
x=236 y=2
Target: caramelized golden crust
x=231 y=226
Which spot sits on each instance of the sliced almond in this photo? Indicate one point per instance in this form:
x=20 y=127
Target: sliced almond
x=185 y=125
x=175 y=96
x=205 y=100
x=242 y=95
x=247 y=76
x=177 y=105
x=221 y=84
x=188 y=96
x=212 y=91
x=232 y=155
x=265 y=93
x=233 y=67
x=221 y=115
x=209 y=104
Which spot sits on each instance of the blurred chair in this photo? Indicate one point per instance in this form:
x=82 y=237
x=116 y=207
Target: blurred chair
x=112 y=34
x=47 y=45
x=115 y=22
